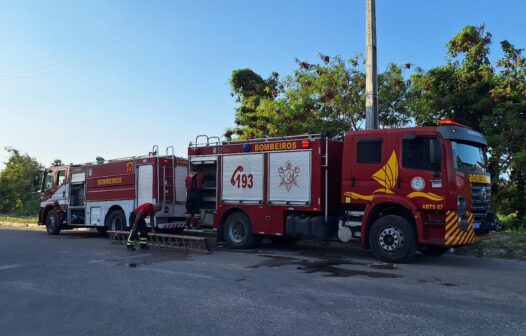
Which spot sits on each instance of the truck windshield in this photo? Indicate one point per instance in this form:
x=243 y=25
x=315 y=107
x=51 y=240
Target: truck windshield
x=469 y=157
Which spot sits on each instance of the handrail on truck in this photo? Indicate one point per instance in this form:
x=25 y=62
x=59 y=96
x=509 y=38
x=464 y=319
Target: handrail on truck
x=266 y=139
x=172 y=148
x=155 y=150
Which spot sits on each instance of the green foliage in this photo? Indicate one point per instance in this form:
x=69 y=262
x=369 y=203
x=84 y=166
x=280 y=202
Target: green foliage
x=513 y=224
x=315 y=98
x=18 y=183
x=461 y=89
x=506 y=128
x=250 y=89
x=19 y=219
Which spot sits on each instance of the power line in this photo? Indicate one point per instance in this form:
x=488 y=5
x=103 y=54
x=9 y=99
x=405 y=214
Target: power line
x=69 y=58
x=38 y=72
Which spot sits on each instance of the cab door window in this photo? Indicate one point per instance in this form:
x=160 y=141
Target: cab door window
x=61 y=177
x=417 y=153
x=369 y=151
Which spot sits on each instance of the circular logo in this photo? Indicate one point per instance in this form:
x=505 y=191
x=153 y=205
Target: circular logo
x=418 y=183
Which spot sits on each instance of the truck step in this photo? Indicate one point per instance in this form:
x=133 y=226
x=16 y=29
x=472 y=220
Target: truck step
x=169 y=241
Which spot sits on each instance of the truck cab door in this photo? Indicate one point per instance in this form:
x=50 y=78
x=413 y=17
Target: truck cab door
x=368 y=155
x=60 y=186
x=421 y=171
x=47 y=185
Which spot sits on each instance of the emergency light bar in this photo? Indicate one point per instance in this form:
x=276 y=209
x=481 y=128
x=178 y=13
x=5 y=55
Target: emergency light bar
x=449 y=122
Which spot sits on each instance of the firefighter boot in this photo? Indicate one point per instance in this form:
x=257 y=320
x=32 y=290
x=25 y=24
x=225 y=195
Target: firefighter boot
x=188 y=218
x=130 y=246
x=195 y=220
x=143 y=243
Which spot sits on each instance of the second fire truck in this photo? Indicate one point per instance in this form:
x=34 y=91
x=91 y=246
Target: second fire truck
x=102 y=194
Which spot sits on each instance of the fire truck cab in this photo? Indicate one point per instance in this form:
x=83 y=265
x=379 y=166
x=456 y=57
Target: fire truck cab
x=102 y=195
x=395 y=191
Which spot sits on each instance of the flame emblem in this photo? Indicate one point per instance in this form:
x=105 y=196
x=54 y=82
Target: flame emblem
x=387 y=177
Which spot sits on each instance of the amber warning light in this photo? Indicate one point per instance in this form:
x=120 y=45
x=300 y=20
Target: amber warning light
x=449 y=122
x=305 y=144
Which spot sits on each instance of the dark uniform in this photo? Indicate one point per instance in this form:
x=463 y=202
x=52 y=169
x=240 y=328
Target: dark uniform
x=147 y=210
x=194 y=186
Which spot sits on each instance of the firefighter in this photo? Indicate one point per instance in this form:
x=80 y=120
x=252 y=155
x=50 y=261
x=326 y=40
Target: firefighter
x=194 y=184
x=138 y=223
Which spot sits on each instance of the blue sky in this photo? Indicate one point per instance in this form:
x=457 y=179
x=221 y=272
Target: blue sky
x=80 y=79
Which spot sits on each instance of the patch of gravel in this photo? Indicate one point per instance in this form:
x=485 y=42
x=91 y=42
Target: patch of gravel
x=507 y=245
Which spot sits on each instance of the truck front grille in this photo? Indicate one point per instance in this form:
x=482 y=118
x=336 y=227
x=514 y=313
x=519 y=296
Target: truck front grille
x=480 y=200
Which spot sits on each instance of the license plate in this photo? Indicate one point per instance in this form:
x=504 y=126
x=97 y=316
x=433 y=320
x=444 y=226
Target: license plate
x=476 y=225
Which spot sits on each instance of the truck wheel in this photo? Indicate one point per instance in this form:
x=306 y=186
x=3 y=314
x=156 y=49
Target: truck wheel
x=52 y=225
x=284 y=241
x=238 y=231
x=392 y=239
x=116 y=221
x=433 y=250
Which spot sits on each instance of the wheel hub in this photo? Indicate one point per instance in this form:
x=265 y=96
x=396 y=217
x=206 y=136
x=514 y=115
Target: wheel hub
x=237 y=232
x=51 y=221
x=391 y=239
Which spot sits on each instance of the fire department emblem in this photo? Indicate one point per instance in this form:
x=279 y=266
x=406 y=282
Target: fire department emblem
x=288 y=176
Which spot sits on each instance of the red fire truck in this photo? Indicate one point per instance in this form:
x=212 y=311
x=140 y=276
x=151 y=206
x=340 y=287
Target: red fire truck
x=102 y=194
x=395 y=190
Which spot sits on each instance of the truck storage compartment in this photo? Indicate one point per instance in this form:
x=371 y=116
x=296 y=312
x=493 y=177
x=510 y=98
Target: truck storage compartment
x=307 y=226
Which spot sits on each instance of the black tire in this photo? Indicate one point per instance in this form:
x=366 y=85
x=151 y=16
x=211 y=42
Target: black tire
x=52 y=223
x=433 y=250
x=238 y=231
x=116 y=221
x=393 y=239
x=284 y=241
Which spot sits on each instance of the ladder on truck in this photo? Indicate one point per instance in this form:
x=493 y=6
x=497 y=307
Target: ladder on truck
x=168 y=241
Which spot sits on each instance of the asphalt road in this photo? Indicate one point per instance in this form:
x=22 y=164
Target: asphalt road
x=79 y=284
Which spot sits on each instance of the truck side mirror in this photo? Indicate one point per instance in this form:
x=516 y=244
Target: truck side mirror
x=37 y=182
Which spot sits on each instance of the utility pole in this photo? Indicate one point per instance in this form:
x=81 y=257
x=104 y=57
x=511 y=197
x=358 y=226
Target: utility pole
x=371 y=80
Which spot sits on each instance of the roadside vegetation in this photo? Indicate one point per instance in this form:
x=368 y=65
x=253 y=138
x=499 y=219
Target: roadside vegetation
x=19 y=219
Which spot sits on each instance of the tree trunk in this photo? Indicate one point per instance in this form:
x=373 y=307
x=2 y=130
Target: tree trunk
x=520 y=201
x=494 y=170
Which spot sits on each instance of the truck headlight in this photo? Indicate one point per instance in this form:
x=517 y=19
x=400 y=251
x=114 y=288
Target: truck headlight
x=461 y=203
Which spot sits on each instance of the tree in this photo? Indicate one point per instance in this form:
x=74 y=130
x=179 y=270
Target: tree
x=250 y=89
x=315 y=98
x=506 y=127
x=18 y=182
x=460 y=89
